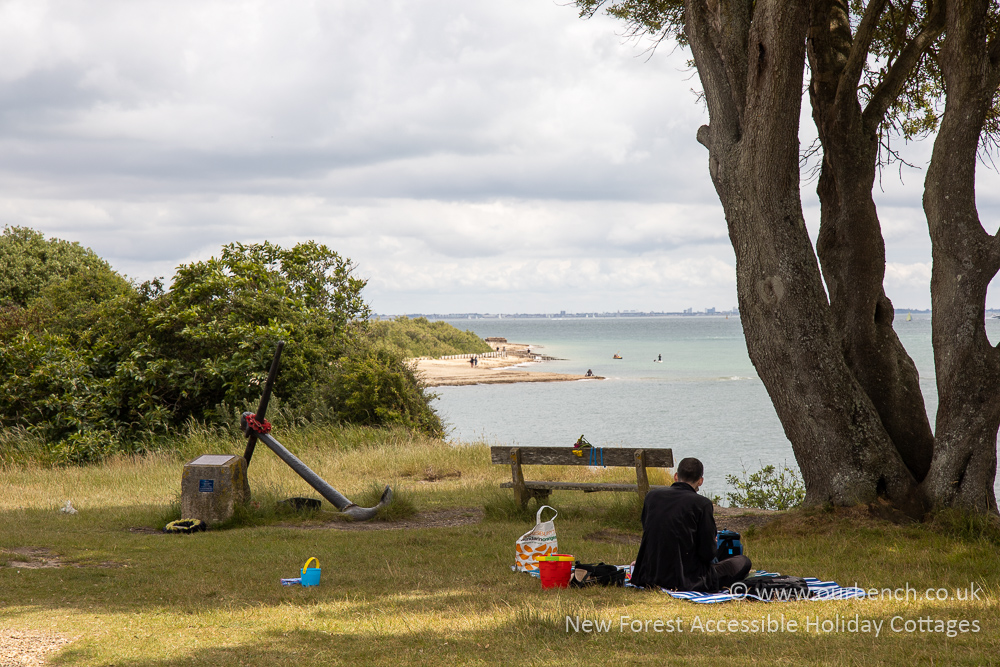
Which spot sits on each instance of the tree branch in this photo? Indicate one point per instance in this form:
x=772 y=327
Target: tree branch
x=892 y=83
x=993 y=53
x=733 y=28
x=847 y=87
x=720 y=96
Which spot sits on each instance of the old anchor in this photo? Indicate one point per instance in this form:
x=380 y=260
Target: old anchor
x=256 y=427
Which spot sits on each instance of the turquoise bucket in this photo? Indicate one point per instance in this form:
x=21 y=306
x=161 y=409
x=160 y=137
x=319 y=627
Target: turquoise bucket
x=310 y=575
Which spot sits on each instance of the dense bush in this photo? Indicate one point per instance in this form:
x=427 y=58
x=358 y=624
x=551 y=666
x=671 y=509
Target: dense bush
x=769 y=488
x=374 y=386
x=96 y=365
x=30 y=263
x=421 y=338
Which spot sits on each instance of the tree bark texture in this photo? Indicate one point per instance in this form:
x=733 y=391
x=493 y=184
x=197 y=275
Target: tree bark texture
x=850 y=245
x=966 y=258
x=750 y=57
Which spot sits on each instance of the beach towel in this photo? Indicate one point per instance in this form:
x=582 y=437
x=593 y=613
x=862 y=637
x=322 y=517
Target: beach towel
x=818 y=590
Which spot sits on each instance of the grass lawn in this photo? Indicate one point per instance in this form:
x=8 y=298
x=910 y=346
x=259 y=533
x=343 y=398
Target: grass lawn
x=443 y=594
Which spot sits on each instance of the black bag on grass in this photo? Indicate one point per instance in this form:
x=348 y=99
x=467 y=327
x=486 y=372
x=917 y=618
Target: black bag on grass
x=597 y=575
x=772 y=587
x=729 y=544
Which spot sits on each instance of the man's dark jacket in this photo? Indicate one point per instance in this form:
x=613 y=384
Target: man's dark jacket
x=678 y=541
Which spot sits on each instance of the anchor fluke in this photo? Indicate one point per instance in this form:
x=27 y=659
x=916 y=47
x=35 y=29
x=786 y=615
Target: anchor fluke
x=365 y=513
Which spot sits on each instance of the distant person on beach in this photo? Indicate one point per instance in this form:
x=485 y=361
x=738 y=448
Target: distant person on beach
x=590 y=373
x=679 y=540
x=659 y=357
x=472 y=362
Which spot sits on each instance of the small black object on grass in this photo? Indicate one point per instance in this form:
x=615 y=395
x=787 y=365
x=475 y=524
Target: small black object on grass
x=300 y=504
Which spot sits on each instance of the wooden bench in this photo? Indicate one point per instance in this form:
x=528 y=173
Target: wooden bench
x=564 y=456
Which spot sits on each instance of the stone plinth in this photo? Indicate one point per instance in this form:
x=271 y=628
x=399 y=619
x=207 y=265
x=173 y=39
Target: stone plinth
x=211 y=487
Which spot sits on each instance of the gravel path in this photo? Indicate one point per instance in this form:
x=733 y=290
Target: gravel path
x=21 y=649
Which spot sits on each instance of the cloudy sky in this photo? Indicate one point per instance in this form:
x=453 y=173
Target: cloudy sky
x=468 y=156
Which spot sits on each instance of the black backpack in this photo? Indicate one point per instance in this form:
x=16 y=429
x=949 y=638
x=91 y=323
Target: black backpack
x=772 y=587
x=597 y=575
x=729 y=544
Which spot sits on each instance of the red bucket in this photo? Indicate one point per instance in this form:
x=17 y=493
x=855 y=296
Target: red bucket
x=555 y=570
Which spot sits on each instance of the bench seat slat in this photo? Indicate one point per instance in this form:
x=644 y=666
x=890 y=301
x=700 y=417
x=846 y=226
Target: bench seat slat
x=616 y=457
x=578 y=486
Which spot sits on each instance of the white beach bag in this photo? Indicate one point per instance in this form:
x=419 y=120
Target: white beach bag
x=539 y=541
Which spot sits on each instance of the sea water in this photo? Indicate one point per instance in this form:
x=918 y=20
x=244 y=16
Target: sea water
x=704 y=399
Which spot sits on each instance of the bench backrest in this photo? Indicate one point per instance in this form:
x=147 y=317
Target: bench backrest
x=563 y=456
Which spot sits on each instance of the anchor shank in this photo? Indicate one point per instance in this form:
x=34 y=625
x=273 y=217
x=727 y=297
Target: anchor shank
x=265 y=398
x=302 y=470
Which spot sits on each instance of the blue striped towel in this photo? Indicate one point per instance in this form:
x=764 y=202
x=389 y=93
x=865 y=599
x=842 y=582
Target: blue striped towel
x=818 y=590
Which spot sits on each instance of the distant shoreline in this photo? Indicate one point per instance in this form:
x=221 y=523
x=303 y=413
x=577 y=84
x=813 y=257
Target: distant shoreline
x=732 y=313
x=490 y=370
x=557 y=316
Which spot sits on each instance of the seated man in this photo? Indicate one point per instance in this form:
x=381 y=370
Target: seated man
x=679 y=538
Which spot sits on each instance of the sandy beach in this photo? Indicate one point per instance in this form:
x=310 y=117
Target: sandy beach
x=491 y=370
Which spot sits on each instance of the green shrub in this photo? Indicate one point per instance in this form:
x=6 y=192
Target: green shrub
x=769 y=488
x=30 y=263
x=95 y=365
x=374 y=386
x=420 y=337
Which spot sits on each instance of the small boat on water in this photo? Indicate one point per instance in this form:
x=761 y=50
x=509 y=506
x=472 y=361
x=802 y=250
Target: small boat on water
x=617 y=356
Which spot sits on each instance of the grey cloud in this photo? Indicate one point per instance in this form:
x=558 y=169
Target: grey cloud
x=451 y=101
x=433 y=141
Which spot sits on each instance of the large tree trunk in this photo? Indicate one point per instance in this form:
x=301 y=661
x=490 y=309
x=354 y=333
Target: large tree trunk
x=966 y=258
x=750 y=57
x=850 y=245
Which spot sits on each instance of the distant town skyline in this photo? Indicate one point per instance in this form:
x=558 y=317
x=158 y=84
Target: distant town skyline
x=601 y=314
x=467 y=156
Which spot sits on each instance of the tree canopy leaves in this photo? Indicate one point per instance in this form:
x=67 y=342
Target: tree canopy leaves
x=95 y=364
x=31 y=262
x=914 y=113
x=421 y=338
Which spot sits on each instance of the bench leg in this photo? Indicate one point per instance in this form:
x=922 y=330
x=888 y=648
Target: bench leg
x=642 y=482
x=521 y=494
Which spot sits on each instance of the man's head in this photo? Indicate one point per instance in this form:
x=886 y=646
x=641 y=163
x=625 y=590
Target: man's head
x=690 y=471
